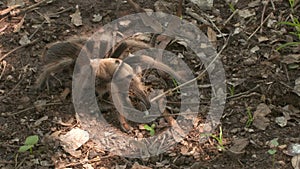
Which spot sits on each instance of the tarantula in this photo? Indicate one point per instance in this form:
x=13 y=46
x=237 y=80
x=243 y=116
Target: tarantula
x=62 y=55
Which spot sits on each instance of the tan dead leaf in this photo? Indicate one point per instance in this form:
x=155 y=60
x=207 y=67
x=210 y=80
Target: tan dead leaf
x=262 y=38
x=73 y=140
x=262 y=110
x=76 y=17
x=239 y=146
x=260 y=121
x=212 y=35
x=296 y=162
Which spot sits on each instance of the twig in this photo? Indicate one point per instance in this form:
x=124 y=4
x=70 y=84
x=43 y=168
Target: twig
x=175 y=114
x=4 y=18
x=96 y=159
x=21 y=111
x=287 y=73
x=6 y=162
x=15 y=86
x=31 y=108
x=3 y=28
x=246 y=95
x=7 y=10
x=265 y=3
x=273 y=6
x=47 y=19
x=36 y=30
x=197 y=78
x=215 y=26
x=17 y=166
x=286 y=85
x=17 y=48
x=60 y=12
x=4 y=67
x=259 y=26
x=231 y=16
x=196 y=16
x=31 y=7
x=243 y=93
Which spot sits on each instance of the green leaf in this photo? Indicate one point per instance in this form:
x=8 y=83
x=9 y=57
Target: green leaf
x=152 y=132
x=31 y=140
x=24 y=148
x=153 y=126
x=148 y=128
x=289 y=23
x=272 y=151
x=274 y=142
x=288 y=44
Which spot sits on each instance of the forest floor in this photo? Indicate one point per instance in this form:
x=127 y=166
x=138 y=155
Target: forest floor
x=260 y=123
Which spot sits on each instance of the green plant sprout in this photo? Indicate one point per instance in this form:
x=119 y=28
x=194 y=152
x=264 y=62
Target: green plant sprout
x=29 y=144
x=292 y=4
x=250 y=117
x=296 y=24
x=218 y=138
x=175 y=84
x=231 y=6
x=273 y=144
x=231 y=90
x=150 y=129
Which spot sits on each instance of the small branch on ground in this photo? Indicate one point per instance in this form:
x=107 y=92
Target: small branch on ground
x=17 y=48
x=200 y=76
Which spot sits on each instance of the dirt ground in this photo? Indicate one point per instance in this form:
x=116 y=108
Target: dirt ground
x=260 y=87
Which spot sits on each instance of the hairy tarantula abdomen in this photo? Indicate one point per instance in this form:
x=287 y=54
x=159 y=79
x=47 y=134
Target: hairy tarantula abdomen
x=57 y=57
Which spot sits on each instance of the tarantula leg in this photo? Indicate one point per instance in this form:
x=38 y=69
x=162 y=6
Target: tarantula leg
x=49 y=68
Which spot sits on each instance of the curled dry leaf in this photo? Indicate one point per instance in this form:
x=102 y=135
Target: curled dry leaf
x=76 y=17
x=97 y=18
x=73 y=140
x=24 y=40
x=281 y=121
